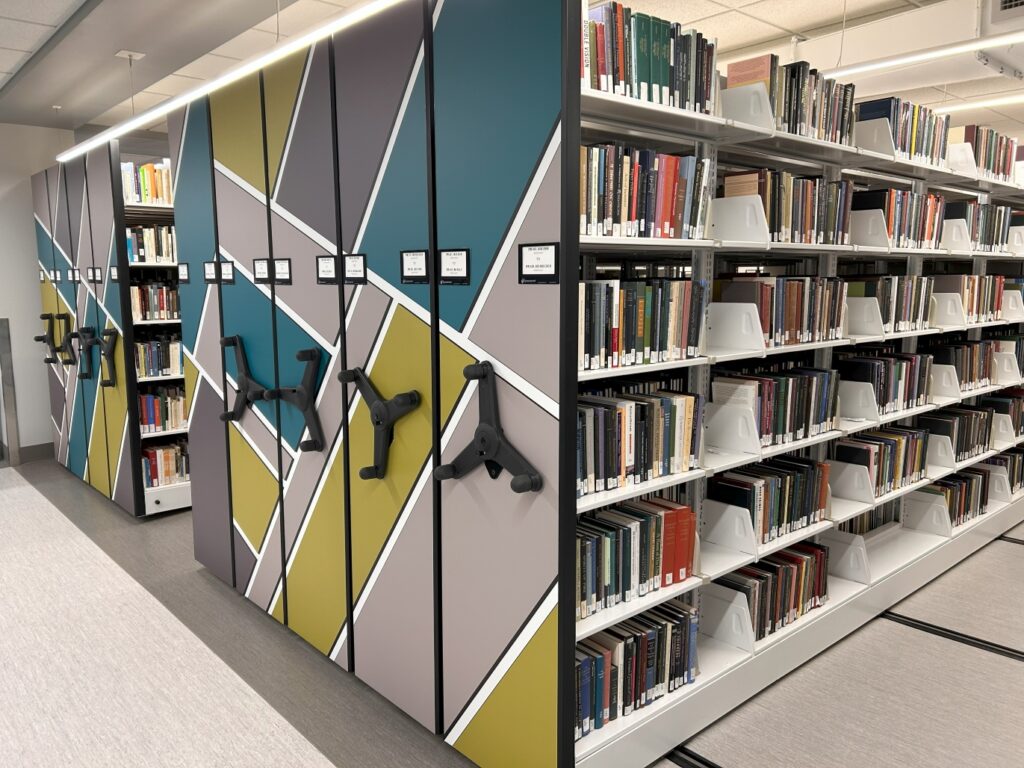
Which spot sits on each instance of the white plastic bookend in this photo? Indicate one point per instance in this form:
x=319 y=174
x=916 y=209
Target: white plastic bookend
x=874 y=136
x=864 y=316
x=1018 y=173
x=748 y=104
x=945 y=386
x=733 y=328
x=999 y=485
x=961 y=159
x=731 y=429
x=1015 y=242
x=1005 y=369
x=725 y=616
x=868 y=228
x=857 y=402
x=1003 y=436
x=940 y=452
x=955 y=235
x=947 y=311
x=847 y=556
x=927 y=513
x=851 y=481
x=1013 y=306
x=739 y=219
x=728 y=526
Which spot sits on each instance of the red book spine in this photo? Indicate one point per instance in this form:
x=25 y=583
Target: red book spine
x=602 y=63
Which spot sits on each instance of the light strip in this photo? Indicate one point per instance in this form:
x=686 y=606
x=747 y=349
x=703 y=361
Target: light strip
x=963 y=106
x=244 y=69
x=931 y=54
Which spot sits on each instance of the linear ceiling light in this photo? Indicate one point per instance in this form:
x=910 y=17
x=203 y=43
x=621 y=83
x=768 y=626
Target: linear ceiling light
x=996 y=101
x=930 y=54
x=242 y=70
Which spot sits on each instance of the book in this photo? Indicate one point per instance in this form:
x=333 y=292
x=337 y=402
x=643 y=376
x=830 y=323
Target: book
x=154 y=301
x=912 y=220
x=900 y=381
x=904 y=301
x=994 y=152
x=152 y=245
x=972 y=360
x=895 y=457
x=874 y=519
x=159 y=356
x=918 y=134
x=981 y=295
x=147 y=184
x=162 y=409
x=165 y=465
x=988 y=224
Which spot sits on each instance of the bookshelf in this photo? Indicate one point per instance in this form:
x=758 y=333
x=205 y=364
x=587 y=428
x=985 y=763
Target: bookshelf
x=98 y=433
x=293 y=504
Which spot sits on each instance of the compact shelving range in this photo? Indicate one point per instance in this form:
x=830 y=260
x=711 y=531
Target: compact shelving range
x=384 y=295
x=102 y=399
x=867 y=573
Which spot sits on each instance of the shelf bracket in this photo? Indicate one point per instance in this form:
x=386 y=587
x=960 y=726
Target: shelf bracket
x=383 y=415
x=49 y=339
x=303 y=397
x=490 y=447
x=249 y=390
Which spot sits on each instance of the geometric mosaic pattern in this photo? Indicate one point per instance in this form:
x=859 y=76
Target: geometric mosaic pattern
x=74 y=221
x=270 y=518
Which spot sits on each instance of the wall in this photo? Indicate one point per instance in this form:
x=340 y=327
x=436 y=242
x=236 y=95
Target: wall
x=25 y=150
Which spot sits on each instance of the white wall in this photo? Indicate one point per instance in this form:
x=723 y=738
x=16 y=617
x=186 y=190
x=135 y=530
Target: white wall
x=25 y=150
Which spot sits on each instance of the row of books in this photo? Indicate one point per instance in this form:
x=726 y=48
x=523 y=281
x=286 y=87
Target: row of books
x=631 y=550
x=793 y=310
x=987 y=223
x=636 y=433
x=644 y=57
x=994 y=153
x=798 y=209
x=1008 y=402
x=969 y=428
x=154 y=301
x=873 y=519
x=783 y=586
x=152 y=245
x=918 y=134
x=898 y=380
x=804 y=101
x=1013 y=462
x=912 y=219
x=161 y=356
x=788 y=403
x=972 y=360
x=783 y=495
x=895 y=457
x=165 y=465
x=904 y=301
x=162 y=410
x=147 y=184
x=624 y=323
x=964 y=493
x=634 y=192
x=981 y=295
x=635 y=663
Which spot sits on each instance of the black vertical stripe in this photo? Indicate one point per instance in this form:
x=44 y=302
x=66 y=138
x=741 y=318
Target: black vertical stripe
x=343 y=356
x=435 y=358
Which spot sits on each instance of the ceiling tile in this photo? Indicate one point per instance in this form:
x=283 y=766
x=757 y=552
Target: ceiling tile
x=22 y=36
x=674 y=10
x=172 y=85
x=974 y=89
x=299 y=17
x=249 y=43
x=802 y=15
x=207 y=67
x=736 y=3
x=735 y=30
x=52 y=12
x=11 y=60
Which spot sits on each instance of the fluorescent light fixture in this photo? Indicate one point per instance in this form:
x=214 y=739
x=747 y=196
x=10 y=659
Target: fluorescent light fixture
x=995 y=101
x=244 y=69
x=930 y=54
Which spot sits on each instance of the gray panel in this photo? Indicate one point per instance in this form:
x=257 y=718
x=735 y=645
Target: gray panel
x=364 y=327
x=101 y=206
x=56 y=397
x=123 y=495
x=487 y=528
x=306 y=183
x=58 y=200
x=393 y=634
x=39 y=199
x=75 y=170
x=240 y=218
x=211 y=521
x=952 y=601
x=374 y=60
x=532 y=351
x=245 y=561
x=175 y=132
x=888 y=696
